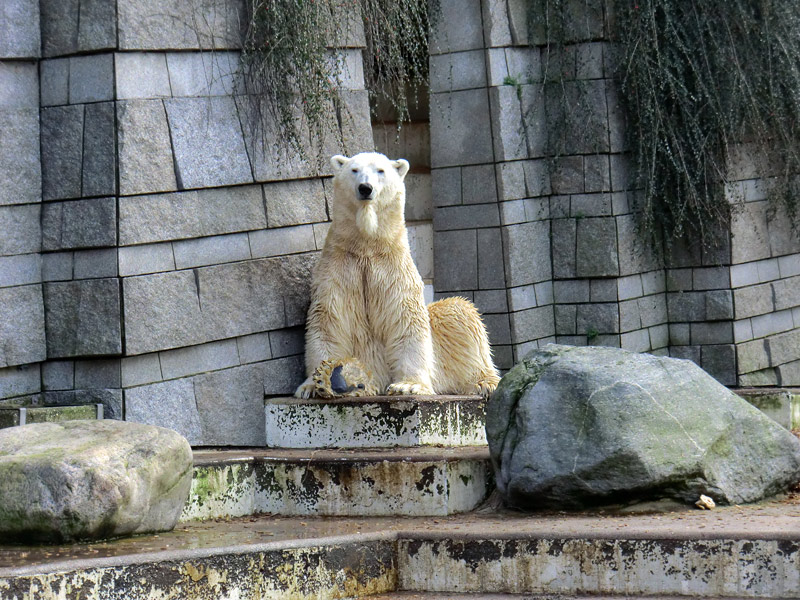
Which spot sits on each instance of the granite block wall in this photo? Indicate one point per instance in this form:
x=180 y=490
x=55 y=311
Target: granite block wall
x=22 y=327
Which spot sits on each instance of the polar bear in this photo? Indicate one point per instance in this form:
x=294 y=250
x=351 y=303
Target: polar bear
x=367 y=296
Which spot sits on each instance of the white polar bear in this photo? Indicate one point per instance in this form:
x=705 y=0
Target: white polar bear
x=367 y=296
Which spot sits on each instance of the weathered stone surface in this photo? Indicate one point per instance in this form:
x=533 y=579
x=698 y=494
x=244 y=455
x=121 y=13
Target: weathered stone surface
x=596 y=251
x=59 y=21
x=167 y=404
x=145 y=155
x=142 y=75
x=295 y=202
x=99 y=150
x=79 y=224
x=527 y=248
x=83 y=318
x=21 y=229
x=22 y=269
x=458 y=27
x=176 y=24
x=91 y=78
x=62 y=143
x=19 y=22
x=455 y=254
x=90 y=480
x=202 y=73
x=570 y=427
x=20 y=166
x=22 y=338
x=460 y=129
x=230 y=404
x=54 y=81
x=193 y=214
x=208 y=142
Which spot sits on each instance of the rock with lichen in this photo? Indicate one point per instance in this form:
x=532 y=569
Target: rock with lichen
x=575 y=427
x=84 y=480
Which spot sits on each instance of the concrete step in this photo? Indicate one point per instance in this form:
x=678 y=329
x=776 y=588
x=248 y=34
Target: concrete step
x=781 y=404
x=393 y=481
x=23 y=415
x=744 y=552
x=376 y=422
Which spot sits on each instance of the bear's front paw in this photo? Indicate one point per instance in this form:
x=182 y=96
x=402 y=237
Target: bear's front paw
x=306 y=389
x=409 y=388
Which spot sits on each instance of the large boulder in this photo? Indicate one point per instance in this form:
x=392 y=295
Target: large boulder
x=573 y=427
x=90 y=479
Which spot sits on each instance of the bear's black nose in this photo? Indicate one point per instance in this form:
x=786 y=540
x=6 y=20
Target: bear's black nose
x=365 y=190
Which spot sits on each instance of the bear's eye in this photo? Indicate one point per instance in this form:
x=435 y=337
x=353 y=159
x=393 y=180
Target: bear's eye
x=355 y=170
x=380 y=171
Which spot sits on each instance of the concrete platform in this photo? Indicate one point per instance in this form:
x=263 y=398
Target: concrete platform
x=373 y=482
x=376 y=422
x=744 y=552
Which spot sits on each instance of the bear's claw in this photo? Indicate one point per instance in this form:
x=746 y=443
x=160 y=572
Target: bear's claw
x=408 y=388
x=305 y=389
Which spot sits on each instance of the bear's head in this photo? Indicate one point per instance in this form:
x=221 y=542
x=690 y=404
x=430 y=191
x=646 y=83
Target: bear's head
x=370 y=188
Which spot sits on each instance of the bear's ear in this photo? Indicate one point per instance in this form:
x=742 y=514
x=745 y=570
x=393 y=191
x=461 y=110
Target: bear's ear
x=337 y=162
x=401 y=165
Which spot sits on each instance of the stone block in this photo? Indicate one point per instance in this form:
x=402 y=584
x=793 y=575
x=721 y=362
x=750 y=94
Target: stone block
x=91 y=78
x=566 y=319
x=83 y=318
x=478 y=185
x=533 y=324
x=659 y=337
x=491 y=301
x=789 y=266
x=460 y=129
x=459 y=27
x=654 y=282
x=21 y=229
x=567 y=176
x=766 y=377
x=712 y=333
x=719 y=361
x=230 y=405
x=198 y=359
x=752 y=356
x=202 y=73
x=564 y=233
x=786 y=293
x=19 y=22
x=190 y=214
x=589 y=60
x=97 y=373
x=596 y=253
x=753 y=300
x=149 y=258
x=744 y=274
x=620 y=203
x=58 y=375
x=419 y=197
x=636 y=255
x=750 y=234
x=446 y=186
x=679 y=280
x=180 y=25
x=355 y=124
x=97 y=25
x=20 y=166
x=145 y=155
x=94 y=264
x=569 y=292
x=537 y=177
x=593 y=319
x=23 y=269
x=527 y=248
x=111 y=399
x=511 y=180
x=604 y=290
x=420 y=239
x=411 y=142
x=19 y=381
x=455 y=255
x=495 y=23
x=653 y=309
x=457 y=71
x=630 y=317
x=254 y=348
x=139 y=370
x=789 y=373
x=583 y=109
x=59 y=26
x=287 y=342
x=286 y=240
x=498 y=328
x=772 y=323
x=57 y=266
x=99 y=176
x=282 y=375
x=597 y=174
x=208 y=142
x=79 y=224
x=508 y=125
x=620 y=170
x=220 y=249
x=783 y=237
x=490 y=259
x=686 y=306
x=635 y=341
x=742 y=331
x=295 y=202
x=21 y=326
x=784 y=348
x=142 y=75
x=714 y=278
x=544 y=293
x=768 y=270
x=169 y=404
x=466 y=217
x=54 y=81
x=590 y=205
x=512 y=212
x=522 y=297
x=719 y=305
x=680 y=334
x=62 y=144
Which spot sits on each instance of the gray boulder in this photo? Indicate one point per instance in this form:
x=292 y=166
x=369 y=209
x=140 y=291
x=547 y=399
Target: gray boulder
x=573 y=427
x=81 y=480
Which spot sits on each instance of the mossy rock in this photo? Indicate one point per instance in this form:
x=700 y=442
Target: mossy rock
x=84 y=480
x=574 y=427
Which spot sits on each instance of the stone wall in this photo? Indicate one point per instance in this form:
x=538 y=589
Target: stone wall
x=547 y=247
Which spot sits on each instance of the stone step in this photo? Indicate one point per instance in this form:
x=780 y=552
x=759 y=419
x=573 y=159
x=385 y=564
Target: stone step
x=731 y=552
x=23 y=415
x=455 y=596
x=781 y=404
x=393 y=481
x=376 y=422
